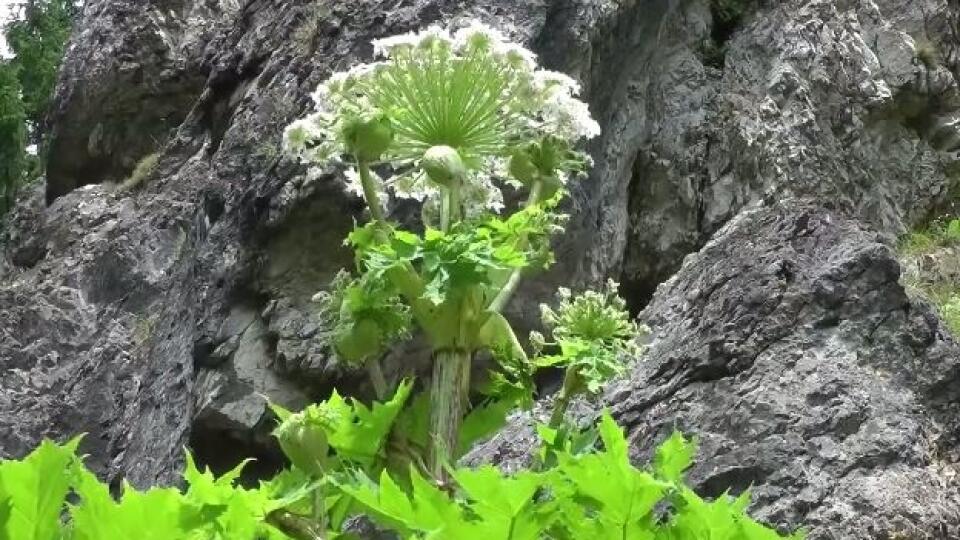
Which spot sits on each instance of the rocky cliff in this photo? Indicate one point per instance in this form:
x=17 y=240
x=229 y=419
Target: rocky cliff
x=757 y=162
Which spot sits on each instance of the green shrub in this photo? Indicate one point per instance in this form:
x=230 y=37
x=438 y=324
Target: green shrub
x=13 y=136
x=595 y=494
x=38 y=40
x=27 y=81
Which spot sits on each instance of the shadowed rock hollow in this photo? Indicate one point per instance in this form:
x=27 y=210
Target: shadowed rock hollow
x=779 y=149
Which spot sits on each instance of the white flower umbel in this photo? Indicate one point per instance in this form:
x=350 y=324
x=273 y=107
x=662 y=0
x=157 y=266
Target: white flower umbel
x=473 y=91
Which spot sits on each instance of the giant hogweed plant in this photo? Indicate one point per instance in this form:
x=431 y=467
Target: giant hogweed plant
x=444 y=119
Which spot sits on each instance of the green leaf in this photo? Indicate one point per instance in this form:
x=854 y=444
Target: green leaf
x=622 y=496
x=613 y=440
x=426 y=510
x=282 y=413
x=289 y=488
x=494 y=493
x=674 y=456
x=483 y=421
x=5 y=506
x=366 y=315
x=154 y=515
x=360 y=433
x=504 y=506
x=35 y=489
x=497 y=334
x=412 y=429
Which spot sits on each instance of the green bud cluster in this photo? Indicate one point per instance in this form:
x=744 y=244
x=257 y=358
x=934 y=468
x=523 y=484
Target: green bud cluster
x=368 y=136
x=303 y=438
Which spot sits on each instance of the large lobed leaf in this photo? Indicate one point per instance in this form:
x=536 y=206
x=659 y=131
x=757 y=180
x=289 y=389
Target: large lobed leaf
x=32 y=492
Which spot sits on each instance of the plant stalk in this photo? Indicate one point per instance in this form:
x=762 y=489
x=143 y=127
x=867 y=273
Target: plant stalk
x=375 y=372
x=445 y=205
x=562 y=402
x=450 y=206
x=320 y=513
x=449 y=391
x=370 y=192
x=407 y=279
x=503 y=297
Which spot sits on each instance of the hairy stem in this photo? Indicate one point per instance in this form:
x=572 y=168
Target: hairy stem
x=562 y=402
x=370 y=192
x=510 y=287
x=450 y=206
x=445 y=204
x=449 y=389
x=376 y=378
x=455 y=201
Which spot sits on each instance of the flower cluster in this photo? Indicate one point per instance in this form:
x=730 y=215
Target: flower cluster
x=471 y=90
x=365 y=317
x=593 y=334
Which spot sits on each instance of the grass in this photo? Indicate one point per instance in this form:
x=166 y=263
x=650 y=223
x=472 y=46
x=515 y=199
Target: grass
x=927 y=54
x=143 y=328
x=946 y=298
x=938 y=234
x=943 y=291
x=141 y=172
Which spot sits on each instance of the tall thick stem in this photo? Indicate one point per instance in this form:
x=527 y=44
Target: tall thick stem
x=449 y=391
x=455 y=201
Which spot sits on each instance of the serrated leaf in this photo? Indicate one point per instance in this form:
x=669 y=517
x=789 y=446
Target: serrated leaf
x=614 y=443
x=36 y=488
x=154 y=515
x=282 y=413
x=361 y=432
x=674 y=456
x=483 y=421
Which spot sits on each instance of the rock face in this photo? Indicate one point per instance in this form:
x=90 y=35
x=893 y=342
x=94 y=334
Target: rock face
x=779 y=147
x=788 y=345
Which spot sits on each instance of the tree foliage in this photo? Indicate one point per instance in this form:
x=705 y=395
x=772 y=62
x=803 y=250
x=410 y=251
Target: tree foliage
x=13 y=135
x=37 y=38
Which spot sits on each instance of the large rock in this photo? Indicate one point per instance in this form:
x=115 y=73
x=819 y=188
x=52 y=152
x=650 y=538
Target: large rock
x=788 y=345
x=157 y=317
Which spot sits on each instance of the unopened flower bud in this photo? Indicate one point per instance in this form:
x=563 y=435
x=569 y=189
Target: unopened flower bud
x=303 y=439
x=443 y=165
x=368 y=137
